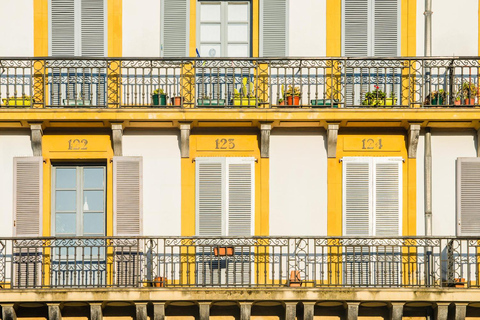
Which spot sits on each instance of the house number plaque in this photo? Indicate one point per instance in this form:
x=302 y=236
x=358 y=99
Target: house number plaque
x=379 y=143
x=77 y=144
x=226 y=143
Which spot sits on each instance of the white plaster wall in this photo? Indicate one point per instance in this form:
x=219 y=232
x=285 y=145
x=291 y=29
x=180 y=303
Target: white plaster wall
x=298 y=183
x=421 y=186
x=161 y=178
x=454 y=28
x=141 y=28
x=16 y=28
x=307 y=36
x=447 y=146
x=12 y=144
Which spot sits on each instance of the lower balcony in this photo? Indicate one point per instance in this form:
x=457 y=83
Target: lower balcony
x=262 y=262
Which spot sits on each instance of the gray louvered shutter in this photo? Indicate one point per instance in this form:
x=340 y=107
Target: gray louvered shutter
x=93 y=28
x=127 y=195
x=468 y=196
x=273 y=24
x=28 y=181
x=175 y=28
x=240 y=196
x=27 y=198
x=210 y=196
x=356 y=30
x=386 y=37
x=63 y=27
x=357 y=196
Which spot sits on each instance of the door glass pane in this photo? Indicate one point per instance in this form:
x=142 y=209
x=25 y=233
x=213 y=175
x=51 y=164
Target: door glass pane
x=65 y=178
x=238 y=50
x=237 y=33
x=210 y=50
x=65 y=223
x=65 y=201
x=210 y=32
x=210 y=12
x=237 y=12
x=92 y=201
x=93 y=178
x=93 y=223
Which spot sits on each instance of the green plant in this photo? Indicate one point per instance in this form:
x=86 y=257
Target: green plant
x=159 y=91
x=440 y=94
x=293 y=91
x=280 y=100
x=245 y=92
x=468 y=90
x=376 y=97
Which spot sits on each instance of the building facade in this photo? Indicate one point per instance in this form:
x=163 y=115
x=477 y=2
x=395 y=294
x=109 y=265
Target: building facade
x=260 y=158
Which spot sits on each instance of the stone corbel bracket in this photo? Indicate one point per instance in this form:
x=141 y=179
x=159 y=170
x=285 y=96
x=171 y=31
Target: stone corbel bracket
x=185 y=139
x=36 y=137
x=265 y=129
x=413 y=135
x=117 y=135
x=332 y=136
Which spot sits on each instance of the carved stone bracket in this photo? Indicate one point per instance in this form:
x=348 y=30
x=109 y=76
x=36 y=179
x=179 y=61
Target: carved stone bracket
x=8 y=312
x=332 y=135
x=117 y=135
x=413 y=135
x=265 y=129
x=36 y=137
x=185 y=139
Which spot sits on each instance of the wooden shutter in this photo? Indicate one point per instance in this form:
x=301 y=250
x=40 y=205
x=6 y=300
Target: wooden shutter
x=175 y=29
x=273 y=24
x=93 y=28
x=63 y=27
x=386 y=37
x=387 y=196
x=210 y=196
x=127 y=195
x=28 y=182
x=356 y=196
x=468 y=196
x=240 y=194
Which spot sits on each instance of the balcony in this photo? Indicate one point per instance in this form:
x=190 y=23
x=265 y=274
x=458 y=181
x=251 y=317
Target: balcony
x=336 y=83
x=262 y=262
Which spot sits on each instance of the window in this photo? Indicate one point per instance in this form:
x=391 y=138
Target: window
x=372 y=206
x=224 y=28
x=371 y=28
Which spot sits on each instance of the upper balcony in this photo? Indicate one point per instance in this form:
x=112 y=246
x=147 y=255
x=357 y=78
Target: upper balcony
x=305 y=83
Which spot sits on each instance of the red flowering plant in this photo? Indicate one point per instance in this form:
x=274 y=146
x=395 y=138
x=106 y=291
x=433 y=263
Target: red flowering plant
x=374 y=97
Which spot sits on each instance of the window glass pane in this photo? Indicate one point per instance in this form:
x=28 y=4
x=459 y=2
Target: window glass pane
x=93 y=178
x=65 y=178
x=210 y=12
x=93 y=223
x=65 y=223
x=210 y=50
x=237 y=32
x=93 y=201
x=238 y=12
x=210 y=33
x=65 y=200
x=238 y=50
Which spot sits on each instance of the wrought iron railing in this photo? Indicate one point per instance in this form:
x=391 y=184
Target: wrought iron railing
x=238 y=262
x=239 y=83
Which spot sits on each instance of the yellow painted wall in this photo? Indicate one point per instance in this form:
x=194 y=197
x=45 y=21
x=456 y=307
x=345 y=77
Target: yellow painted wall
x=204 y=145
x=114 y=8
x=350 y=144
x=62 y=147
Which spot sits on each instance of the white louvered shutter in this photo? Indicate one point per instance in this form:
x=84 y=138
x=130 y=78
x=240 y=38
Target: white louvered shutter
x=93 y=28
x=468 y=196
x=386 y=37
x=175 y=28
x=63 y=27
x=273 y=15
x=210 y=196
x=127 y=195
x=240 y=196
x=27 y=198
x=356 y=28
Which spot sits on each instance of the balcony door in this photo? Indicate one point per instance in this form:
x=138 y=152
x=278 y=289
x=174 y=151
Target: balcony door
x=78 y=210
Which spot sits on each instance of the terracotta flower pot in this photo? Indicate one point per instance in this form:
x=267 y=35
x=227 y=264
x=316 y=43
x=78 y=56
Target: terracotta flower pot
x=177 y=101
x=159 y=282
x=468 y=102
x=295 y=280
x=293 y=100
x=223 y=251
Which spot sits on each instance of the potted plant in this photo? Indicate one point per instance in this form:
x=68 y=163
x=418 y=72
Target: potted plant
x=206 y=101
x=293 y=95
x=377 y=97
x=245 y=97
x=281 y=100
x=159 y=98
x=177 y=100
x=438 y=97
x=467 y=94
x=23 y=101
x=223 y=251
